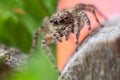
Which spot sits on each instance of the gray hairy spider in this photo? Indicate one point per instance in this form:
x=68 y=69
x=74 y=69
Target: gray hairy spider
x=71 y=20
x=67 y=21
x=64 y=22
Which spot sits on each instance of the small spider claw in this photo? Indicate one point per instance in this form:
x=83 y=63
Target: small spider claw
x=90 y=31
x=101 y=25
x=77 y=42
x=89 y=28
x=66 y=38
x=60 y=40
x=76 y=50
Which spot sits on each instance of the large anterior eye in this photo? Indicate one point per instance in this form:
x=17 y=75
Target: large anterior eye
x=62 y=21
x=55 y=22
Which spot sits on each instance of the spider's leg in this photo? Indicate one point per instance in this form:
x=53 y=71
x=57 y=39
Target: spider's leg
x=93 y=9
x=43 y=30
x=67 y=31
x=78 y=24
x=35 y=39
x=45 y=41
x=85 y=18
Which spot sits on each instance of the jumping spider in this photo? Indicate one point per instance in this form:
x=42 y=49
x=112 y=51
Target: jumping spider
x=64 y=22
x=67 y=21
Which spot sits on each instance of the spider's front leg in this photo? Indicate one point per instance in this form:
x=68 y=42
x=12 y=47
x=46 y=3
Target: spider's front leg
x=45 y=41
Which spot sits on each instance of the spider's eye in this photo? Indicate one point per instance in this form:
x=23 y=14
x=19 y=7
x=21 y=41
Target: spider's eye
x=62 y=21
x=55 y=22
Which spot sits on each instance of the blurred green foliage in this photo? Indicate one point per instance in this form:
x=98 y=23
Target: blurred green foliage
x=18 y=21
x=19 y=18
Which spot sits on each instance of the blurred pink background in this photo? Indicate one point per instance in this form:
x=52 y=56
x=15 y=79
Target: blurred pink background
x=108 y=7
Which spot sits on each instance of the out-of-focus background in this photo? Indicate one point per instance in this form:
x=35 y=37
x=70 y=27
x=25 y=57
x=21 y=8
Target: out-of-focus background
x=18 y=21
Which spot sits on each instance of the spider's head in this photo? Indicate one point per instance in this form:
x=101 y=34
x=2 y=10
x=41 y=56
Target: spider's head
x=62 y=17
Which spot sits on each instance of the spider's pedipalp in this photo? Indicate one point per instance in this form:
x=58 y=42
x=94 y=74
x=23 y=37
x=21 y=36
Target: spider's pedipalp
x=67 y=31
x=56 y=36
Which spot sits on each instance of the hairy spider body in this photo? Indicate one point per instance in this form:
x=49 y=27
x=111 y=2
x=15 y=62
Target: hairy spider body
x=67 y=21
x=62 y=23
x=71 y=20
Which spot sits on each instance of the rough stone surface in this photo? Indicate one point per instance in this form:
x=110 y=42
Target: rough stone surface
x=11 y=59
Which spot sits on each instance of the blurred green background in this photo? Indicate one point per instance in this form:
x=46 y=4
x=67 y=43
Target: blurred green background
x=18 y=21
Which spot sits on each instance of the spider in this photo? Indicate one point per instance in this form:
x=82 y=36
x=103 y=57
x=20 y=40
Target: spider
x=64 y=22
x=67 y=21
